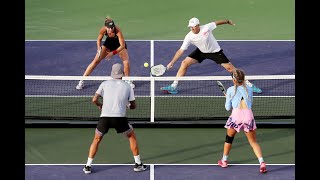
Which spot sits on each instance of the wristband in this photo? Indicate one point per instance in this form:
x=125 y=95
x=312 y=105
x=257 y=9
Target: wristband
x=114 y=52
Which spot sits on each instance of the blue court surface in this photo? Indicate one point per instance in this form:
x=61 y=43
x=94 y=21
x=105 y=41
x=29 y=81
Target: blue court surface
x=70 y=58
x=161 y=172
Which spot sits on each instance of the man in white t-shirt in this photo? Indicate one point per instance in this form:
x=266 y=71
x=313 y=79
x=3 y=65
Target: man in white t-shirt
x=207 y=48
x=117 y=96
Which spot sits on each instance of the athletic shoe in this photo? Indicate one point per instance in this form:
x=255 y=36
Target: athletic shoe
x=87 y=169
x=131 y=84
x=256 y=89
x=169 y=89
x=139 y=167
x=223 y=164
x=263 y=168
x=80 y=85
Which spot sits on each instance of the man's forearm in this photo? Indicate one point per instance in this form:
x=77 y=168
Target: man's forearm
x=220 y=22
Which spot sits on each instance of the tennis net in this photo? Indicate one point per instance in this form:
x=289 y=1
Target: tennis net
x=52 y=98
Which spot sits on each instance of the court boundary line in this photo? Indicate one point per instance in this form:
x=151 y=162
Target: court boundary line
x=290 y=40
x=49 y=96
x=157 y=164
x=152 y=166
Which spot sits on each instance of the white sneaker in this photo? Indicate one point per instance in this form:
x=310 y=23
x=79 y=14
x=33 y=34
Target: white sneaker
x=248 y=83
x=254 y=87
x=139 y=167
x=87 y=169
x=80 y=85
x=131 y=84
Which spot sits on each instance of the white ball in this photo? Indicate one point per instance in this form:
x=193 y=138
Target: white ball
x=146 y=64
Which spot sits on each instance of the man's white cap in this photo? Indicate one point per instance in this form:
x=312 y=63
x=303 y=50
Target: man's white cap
x=117 y=71
x=193 y=22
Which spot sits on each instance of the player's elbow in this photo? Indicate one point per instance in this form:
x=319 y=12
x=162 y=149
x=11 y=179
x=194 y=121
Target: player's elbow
x=94 y=100
x=133 y=105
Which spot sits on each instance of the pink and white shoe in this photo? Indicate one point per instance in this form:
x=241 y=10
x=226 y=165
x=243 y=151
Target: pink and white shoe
x=263 y=168
x=223 y=164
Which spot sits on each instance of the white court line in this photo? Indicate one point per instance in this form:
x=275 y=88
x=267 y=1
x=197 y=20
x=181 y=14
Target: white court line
x=157 y=40
x=153 y=164
x=151 y=172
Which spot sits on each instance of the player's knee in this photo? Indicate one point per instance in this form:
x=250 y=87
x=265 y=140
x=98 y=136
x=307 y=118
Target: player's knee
x=129 y=133
x=229 y=139
x=229 y=69
x=185 y=64
x=97 y=139
x=124 y=56
x=126 y=63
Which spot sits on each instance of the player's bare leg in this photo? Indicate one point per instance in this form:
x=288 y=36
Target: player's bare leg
x=251 y=136
x=126 y=65
x=139 y=166
x=92 y=152
x=185 y=64
x=227 y=146
x=229 y=67
x=223 y=162
x=96 y=60
x=125 y=60
x=94 y=145
x=133 y=143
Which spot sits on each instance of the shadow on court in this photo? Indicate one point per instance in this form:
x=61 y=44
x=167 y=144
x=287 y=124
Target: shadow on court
x=161 y=172
x=71 y=172
x=206 y=172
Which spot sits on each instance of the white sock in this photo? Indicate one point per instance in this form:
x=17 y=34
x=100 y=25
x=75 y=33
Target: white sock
x=224 y=157
x=260 y=160
x=137 y=159
x=89 y=162
x=174 y=84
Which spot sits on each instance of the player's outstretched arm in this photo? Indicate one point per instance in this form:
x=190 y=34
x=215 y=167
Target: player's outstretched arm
x=175 y=58
x=227 y=21
x=100 y=37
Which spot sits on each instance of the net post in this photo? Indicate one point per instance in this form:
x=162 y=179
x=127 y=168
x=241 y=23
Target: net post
x=152 y=83
x=152 y=102
x=151 y=53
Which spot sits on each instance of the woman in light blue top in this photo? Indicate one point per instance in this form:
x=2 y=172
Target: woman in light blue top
x=239 y=99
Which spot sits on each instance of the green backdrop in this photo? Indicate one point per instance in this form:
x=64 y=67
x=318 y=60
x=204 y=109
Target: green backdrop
x=159 y=20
